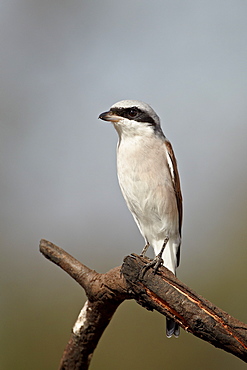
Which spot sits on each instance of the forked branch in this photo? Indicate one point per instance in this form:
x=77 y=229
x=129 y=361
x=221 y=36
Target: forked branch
x=162 y=292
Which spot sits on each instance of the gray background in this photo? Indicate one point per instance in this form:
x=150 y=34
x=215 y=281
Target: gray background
x=62 y=64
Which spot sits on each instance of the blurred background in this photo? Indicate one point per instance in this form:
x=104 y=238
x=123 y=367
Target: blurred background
x=62 y=64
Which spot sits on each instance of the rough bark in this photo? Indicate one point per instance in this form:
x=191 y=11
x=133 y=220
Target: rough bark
x=161 y=291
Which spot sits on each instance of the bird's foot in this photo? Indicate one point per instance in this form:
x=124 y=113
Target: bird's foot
x=155 y=263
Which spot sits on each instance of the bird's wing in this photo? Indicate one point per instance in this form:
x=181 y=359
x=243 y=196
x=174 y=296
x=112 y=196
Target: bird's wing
x=172 y=163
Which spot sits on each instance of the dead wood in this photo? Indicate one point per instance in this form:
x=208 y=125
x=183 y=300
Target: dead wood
x=162 y=292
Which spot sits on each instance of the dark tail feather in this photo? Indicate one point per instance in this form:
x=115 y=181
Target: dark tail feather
x=172 y=328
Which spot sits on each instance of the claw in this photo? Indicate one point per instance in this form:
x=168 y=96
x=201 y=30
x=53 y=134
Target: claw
x=157 y=261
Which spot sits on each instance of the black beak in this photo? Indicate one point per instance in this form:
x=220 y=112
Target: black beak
x=109 y=116
x=106 y=116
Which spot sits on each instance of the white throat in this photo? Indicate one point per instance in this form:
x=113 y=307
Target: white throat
x=130 y=128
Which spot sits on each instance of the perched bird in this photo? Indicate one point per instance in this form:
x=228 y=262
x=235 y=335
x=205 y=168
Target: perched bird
x=149 y=180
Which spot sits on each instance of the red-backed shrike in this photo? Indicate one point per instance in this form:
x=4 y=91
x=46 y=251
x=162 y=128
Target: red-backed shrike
x=149 y=180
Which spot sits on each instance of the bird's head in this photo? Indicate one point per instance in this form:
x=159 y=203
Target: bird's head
x=132 y=117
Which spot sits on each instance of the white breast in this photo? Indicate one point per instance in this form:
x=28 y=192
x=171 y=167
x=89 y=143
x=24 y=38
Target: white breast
x=145 y=180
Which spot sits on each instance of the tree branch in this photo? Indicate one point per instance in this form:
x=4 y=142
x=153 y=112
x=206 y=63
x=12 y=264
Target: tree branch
x=168 y=295
x=105 y=292
x=162 y=292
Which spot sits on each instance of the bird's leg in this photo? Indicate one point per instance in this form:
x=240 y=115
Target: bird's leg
x=157 y=261
x=145 y=250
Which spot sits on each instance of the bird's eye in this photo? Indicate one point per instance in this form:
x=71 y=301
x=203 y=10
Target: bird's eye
x=133 y=112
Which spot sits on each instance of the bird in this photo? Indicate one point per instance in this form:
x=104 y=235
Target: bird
x=149 y=180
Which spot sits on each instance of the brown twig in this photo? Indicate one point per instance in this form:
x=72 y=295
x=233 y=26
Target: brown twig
x=162 y=292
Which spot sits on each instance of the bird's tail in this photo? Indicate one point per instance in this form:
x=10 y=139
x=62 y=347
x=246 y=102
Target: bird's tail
x=172 y=328
x=170 y=258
